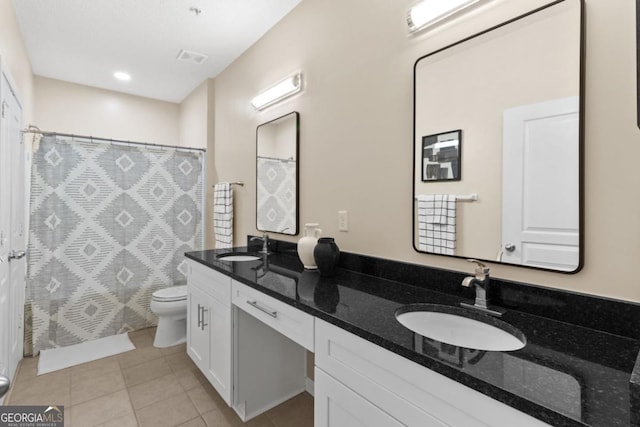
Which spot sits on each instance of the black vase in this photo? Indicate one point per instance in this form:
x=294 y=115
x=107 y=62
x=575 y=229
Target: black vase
x=326 y=255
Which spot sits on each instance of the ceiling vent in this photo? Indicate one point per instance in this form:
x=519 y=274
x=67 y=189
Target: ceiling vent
x=193 y=57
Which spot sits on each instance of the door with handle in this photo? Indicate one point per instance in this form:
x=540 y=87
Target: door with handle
x=12 y=227
x=540 y=217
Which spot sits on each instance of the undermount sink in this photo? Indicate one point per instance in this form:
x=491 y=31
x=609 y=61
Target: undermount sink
x=460 y=327
x=239 y=256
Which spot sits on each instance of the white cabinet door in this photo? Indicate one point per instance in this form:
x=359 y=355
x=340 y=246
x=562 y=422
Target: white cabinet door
x=209 y=326
x=197 y=334
x=218 y=326
x=339 y=406
x=411 y=393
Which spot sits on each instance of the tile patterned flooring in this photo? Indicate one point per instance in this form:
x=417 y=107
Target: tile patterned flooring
x=144 y=387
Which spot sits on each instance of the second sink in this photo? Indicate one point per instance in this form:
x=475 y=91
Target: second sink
x=239 y=256
x=460 y=327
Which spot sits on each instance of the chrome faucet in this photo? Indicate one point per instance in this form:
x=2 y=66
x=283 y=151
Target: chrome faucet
x=265 y=242
x=481 y=282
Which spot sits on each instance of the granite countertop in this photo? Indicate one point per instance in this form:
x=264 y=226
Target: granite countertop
x=566 y=375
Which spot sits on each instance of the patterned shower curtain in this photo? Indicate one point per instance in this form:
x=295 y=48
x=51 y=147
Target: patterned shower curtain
x=276 y=202
x=109 y=225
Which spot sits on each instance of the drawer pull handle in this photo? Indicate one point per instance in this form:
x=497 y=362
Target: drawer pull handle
x=264 y=310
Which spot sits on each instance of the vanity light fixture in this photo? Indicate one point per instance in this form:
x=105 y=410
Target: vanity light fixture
x=429 y=12
x=279 y=91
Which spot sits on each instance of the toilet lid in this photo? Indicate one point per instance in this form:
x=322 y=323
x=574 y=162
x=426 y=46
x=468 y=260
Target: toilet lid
x=174 y=293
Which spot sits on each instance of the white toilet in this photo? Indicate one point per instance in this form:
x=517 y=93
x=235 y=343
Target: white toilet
x=170 y=305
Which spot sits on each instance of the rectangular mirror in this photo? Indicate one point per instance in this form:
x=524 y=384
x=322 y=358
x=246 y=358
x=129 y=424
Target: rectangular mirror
x=515 y=93
x=277 y=175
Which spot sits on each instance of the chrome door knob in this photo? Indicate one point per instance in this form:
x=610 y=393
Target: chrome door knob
x=509 y=247
x=5 y=383
x=16 y=255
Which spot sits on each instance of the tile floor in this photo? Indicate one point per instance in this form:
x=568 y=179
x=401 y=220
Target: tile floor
x=144 y=387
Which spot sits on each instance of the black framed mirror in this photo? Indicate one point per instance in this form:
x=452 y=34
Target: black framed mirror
x=277 y=190
x=516 y=93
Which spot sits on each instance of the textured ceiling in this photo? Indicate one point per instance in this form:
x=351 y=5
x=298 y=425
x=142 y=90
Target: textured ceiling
x=86 y=41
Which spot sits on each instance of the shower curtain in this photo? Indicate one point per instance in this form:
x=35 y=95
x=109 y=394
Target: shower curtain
x=276 y=191
x=109 y=225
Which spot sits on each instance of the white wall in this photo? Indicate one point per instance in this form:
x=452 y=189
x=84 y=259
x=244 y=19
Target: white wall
x=14 y=57
x=356 y=130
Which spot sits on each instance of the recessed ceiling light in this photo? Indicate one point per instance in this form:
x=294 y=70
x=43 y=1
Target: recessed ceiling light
x=122 y=76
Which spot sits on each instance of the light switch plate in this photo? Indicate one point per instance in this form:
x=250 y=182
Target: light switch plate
x=343 y=221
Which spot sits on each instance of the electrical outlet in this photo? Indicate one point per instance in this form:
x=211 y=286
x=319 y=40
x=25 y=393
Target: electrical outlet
x=343 y=221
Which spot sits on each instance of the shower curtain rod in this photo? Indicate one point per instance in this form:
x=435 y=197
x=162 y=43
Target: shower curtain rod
x=35 y=129
x=289 y=160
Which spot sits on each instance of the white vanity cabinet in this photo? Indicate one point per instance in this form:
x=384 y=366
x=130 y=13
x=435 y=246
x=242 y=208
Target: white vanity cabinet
x=252 y=348
x=209 y=322
x=358 y=383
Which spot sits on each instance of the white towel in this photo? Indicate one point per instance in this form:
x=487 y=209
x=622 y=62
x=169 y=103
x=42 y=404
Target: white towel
x=437 y=223
x=223 y=215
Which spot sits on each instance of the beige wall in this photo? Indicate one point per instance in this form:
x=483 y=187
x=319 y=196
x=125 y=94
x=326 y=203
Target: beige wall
x=14 y=57
x=356 y=131
x=196 y=122
x=82 y=110
x=193 y=117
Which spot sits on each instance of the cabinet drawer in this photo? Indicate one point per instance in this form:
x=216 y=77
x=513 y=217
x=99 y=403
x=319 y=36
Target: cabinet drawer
x=337 y=406
x=289 y=321
x=369 y=369
x=210 y=281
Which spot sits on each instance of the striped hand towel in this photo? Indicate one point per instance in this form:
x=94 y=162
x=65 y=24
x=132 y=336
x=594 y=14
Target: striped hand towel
x=223 y=215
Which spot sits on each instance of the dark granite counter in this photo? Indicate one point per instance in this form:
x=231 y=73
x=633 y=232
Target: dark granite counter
x=568 y=374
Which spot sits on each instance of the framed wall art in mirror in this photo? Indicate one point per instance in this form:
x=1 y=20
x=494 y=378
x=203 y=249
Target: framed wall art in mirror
x=441 y=156
x=516 y=90
x=277 y=175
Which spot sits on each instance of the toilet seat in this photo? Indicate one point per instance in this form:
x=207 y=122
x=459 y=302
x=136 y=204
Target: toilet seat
x=174 y=293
